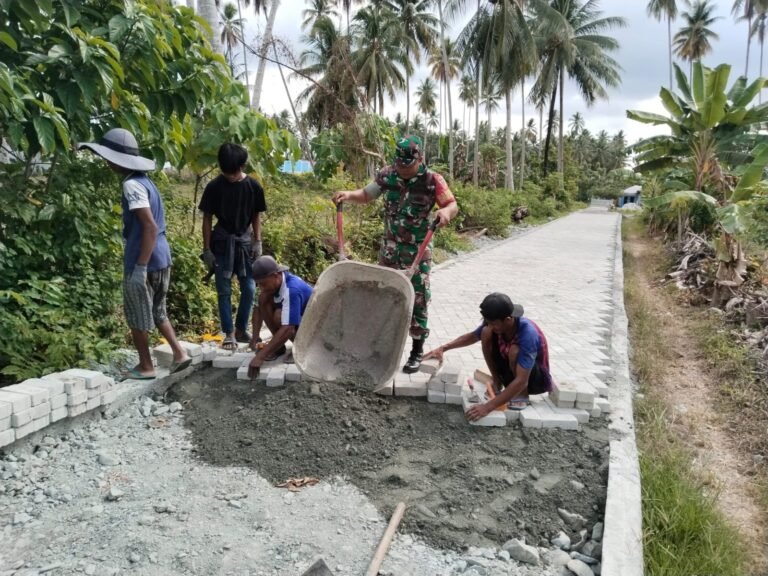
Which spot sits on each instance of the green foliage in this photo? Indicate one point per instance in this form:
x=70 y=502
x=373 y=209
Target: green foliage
x=370 y=139
x=230 y=119
x=60 y=268
x=73 y=68
x=481 y=208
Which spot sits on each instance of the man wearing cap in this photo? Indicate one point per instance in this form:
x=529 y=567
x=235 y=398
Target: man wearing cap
x=147 y=256
x=283 y=297
x=515 y=350
x=410 y=191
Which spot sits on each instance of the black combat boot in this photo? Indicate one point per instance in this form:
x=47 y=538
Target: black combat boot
x=414 y=360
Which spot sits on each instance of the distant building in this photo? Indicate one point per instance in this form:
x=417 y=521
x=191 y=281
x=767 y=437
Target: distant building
x=298 y=167
x=630 y=196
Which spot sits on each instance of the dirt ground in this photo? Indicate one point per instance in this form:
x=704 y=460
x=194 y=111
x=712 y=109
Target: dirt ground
x=690 y=392
x=465 y=485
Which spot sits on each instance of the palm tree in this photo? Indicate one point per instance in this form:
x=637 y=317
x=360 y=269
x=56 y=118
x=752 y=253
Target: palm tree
x=432 y=122
x=261 y=6
x=759 y=29
x=333 y=98
x=426 y=103
x=231 y=32
x=419 y=29
x=438 y=70
x=208 y=12
x=379 y=57
x=745 y=10
x=467 y=95
x=346 y=5
x=318 y=9
x=510 y=55
x=660 y=9
x=490 y=100
x=570 y=40
x=693 y=41
x=576 y=124
x=445 y=43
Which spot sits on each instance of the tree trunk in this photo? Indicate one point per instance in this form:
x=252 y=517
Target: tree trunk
x=762 y=51
x=669 y=38
x=509 y=180
x=475 y=162
x=749 y=44
x=207 y=11
x=731 y=269
x=447 y=88
x=258 y=83
x=305 y=147
x=523 y=140
x=242 y=42
x=545 y=165
x=407 y=101
x=561 y=147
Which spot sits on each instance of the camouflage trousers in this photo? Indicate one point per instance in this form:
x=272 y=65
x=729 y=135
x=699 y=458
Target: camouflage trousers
x=400 y=256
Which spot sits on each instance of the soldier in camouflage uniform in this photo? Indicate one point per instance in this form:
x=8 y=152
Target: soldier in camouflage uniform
x=410 y=191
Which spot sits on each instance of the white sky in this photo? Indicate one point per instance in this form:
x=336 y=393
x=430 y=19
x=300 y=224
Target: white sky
x=643 y=57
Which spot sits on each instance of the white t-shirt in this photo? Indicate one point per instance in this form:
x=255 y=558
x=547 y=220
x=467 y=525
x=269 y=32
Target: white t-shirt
x=136 y=195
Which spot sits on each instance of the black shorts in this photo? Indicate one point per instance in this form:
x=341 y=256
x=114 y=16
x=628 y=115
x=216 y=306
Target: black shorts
x=538 y=381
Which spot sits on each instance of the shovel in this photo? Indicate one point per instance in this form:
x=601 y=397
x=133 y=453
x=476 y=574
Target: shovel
x=320 y=568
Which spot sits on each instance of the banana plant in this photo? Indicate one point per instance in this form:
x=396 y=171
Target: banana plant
x=715 y=137
x=733 y=216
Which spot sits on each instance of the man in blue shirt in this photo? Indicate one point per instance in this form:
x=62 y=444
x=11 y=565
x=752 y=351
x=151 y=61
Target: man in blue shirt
x=147 y=256
x=283 y=297
x=515 y=350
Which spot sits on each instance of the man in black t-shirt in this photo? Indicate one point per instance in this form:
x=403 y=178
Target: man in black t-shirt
x=237 y=201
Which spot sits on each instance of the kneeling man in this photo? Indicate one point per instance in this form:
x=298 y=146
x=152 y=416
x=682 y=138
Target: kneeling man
x=283 y=297
x=515 y=351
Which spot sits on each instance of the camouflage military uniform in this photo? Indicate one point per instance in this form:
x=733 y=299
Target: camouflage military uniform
x=407 y=208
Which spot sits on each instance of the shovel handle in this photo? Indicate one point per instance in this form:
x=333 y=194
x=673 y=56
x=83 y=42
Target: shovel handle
x=340 y=229
x=422 y=249
x=389 y=533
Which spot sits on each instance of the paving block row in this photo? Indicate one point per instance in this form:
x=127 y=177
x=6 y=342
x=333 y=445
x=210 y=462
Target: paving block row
x=38 y=402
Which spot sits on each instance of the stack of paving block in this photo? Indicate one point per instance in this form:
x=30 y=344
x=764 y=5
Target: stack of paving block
x=581 y=394
x=273 y=374
x=35 y=403
x=445 y=386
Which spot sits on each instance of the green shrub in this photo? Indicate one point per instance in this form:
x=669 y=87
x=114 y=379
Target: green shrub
x=482 y=208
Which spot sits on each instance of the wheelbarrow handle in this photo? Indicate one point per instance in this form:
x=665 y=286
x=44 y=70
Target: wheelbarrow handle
x=423 y=248
x=340 y=230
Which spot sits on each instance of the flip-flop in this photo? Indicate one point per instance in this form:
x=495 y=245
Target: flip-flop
x=134 y=374
x=179 y=366
x=245 y=338
x=518 y=404
x=229 y=344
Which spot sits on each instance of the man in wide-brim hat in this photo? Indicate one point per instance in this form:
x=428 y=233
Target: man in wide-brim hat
x=147 y=255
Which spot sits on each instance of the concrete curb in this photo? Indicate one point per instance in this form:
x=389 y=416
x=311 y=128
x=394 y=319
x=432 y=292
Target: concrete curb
x=623 y=540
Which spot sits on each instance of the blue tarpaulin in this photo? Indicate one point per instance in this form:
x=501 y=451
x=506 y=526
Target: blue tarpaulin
x=299 y=167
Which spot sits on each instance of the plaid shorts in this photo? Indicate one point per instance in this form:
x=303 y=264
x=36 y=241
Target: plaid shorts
x=145 y=305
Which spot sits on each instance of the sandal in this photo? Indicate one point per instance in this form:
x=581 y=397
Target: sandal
x=274 y=356
x=518 y=404
x=244 y=337
x=179 y=366
x=229 y=343
x=135 y=374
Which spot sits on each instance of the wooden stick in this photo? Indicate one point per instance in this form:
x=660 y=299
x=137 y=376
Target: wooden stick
x=389 y=533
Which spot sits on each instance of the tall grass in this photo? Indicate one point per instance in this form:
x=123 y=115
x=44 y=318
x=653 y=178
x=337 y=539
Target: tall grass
x=684 y=533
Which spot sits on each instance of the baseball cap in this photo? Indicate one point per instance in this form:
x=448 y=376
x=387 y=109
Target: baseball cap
x=265 y=266
x=408 y=150
x=498 y=306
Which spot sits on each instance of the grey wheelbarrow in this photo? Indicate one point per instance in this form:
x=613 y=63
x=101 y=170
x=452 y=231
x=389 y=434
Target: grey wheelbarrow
x=356 y=324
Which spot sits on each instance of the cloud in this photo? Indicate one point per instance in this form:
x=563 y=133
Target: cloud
x=643 y=57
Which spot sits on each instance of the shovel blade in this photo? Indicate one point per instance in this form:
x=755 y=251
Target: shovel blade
x=319 y=568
